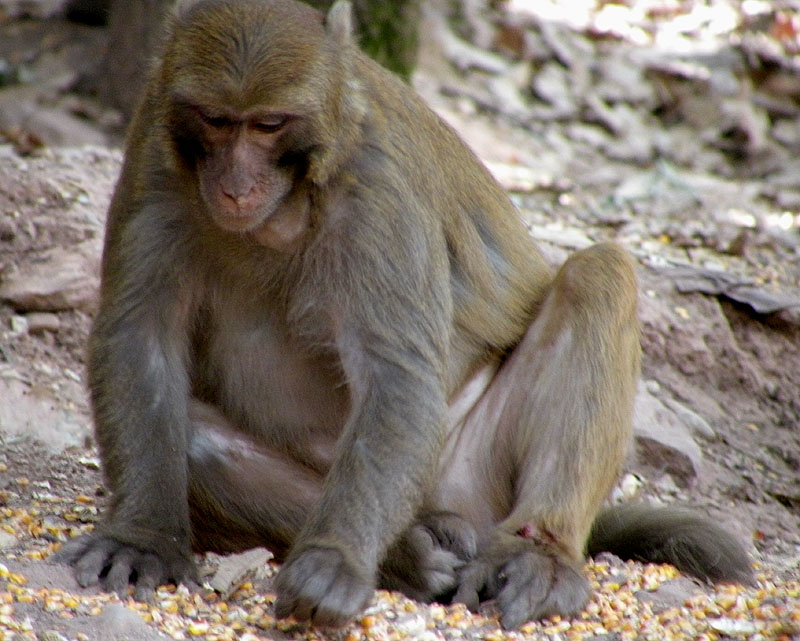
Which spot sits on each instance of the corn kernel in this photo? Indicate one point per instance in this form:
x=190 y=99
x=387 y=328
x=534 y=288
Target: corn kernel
x=170 y=607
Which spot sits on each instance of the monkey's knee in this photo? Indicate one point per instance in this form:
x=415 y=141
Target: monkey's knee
x=598 y=279
x=241 y=492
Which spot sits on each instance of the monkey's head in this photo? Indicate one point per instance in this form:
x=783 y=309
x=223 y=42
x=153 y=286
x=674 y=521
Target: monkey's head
x=255 y=96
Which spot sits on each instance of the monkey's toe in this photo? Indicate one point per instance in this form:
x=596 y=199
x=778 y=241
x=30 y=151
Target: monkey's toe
x=537 y=584
x=321 y=586
x=424 y=564
x=101 y=559
x=527 y=583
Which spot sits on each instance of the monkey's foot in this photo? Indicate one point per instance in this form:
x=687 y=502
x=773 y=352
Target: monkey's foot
x=425 y=561
x=321 y=586
x=102 y=559
x=527 y=582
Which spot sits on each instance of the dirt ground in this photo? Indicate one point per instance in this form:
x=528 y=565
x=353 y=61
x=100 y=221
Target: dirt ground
x=708 y=203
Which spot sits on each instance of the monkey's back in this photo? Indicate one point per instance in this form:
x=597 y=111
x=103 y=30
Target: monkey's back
x=497 y=274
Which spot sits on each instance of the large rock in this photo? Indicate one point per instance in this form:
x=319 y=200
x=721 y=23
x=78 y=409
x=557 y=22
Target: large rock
x=32 y=411
x=663 y=441
x=60 y=278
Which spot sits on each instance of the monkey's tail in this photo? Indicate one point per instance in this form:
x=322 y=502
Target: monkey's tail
x=691 y=542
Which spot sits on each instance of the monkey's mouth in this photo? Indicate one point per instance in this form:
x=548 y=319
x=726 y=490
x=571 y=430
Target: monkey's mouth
x=243 y=216
x=238 y=221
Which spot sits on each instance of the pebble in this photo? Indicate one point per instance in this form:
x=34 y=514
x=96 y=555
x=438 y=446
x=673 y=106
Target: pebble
x=7 y=540
x=671 y=594
x=42 y=322
x=19 y=325
x=121 y=623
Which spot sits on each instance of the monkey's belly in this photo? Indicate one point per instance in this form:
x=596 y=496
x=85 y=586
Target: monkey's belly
x=270 y=387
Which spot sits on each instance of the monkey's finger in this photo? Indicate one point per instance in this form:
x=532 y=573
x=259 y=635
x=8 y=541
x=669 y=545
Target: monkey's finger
x=291 y=602
x=520 y=600
x=538 y=585
x=468 y=595
x=438 y=575
x=302 y=583
x=529 y=601
x=120 y=573
x=284 y=606
x=72 y=550
x=455 y=534
x=184 y=572
x=346 y=598
x=150 y=573
x=90 y=566
x=473 y=582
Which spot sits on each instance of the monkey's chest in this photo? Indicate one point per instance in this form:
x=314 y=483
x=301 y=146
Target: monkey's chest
x=266 y=381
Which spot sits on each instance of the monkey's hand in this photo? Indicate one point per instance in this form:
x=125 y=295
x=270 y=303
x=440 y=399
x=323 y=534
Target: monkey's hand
x=528 y=580
x=424 y=563
x=99 y=555
x=322 y=586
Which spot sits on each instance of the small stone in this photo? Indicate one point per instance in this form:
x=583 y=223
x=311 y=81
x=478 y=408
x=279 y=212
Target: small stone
x=667 y=485
x=630 y=485
x=42 y=322
x=411 y=627
x=696 y=423
x=90 y=462
x=8 y=230
x=121 y=623
x=52 y=635
x=235 y=569
x=19 y=325
x=7 y=540
x=732 y=627
x=671 y=594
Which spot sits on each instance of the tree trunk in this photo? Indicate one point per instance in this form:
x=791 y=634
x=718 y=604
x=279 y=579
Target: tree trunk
x=387 y=31
x=134 y=27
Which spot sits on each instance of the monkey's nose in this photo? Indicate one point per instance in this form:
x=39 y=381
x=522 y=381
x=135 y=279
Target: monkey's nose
x=243 y=201
x=237 y=195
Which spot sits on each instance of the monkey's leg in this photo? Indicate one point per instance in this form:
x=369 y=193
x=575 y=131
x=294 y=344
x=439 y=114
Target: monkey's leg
x=562 y=405
x=243 y=494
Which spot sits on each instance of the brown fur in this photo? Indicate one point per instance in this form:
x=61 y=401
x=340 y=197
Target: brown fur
x=324 y=328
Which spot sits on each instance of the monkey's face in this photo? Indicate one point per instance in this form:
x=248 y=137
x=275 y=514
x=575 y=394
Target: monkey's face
x=241 y=87
x=241 y=171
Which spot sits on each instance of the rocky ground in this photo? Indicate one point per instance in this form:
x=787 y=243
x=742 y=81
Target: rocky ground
x=670 y=127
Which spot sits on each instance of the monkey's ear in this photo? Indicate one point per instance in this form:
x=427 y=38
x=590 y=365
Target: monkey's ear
x=181 y=8
x=185 y=5
x=339 y=21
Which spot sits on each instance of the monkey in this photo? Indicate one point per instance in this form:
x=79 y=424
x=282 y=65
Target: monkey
x=324 y=328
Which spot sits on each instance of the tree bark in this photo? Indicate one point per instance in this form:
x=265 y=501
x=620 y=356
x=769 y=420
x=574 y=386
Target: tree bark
x=387 y=31
x=134 y=27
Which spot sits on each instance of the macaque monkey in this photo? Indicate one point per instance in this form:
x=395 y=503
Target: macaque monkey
x=323 y=328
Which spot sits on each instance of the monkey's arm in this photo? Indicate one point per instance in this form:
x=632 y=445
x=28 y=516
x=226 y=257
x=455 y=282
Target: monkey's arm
x=139 y=391
x=391 y=335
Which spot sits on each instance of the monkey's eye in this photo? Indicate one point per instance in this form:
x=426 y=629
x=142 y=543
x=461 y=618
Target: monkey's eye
x=269 y=125
x=215 y=121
